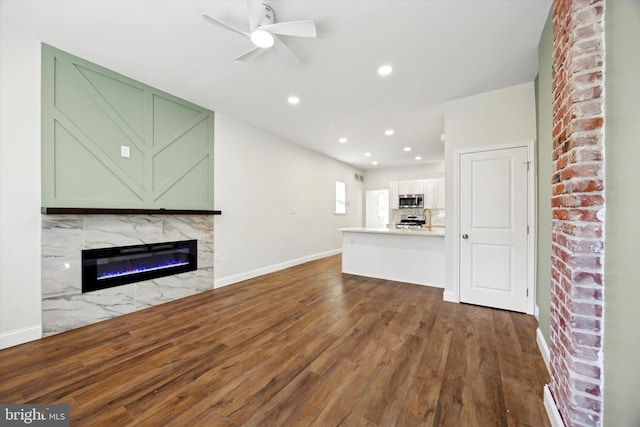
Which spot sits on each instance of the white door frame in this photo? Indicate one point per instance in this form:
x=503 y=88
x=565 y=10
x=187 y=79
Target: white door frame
x=531 y=219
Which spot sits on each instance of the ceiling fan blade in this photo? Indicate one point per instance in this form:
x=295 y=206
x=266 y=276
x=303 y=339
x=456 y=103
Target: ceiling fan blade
x=248 y=54
x=285 y=53
x=255 y=9
x=293 y=28
x=225 y=25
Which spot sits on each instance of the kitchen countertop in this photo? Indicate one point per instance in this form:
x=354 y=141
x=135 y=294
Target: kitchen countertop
x=435 y=231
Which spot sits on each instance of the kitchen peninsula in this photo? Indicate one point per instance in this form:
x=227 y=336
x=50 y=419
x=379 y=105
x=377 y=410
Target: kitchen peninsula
x=403 y=255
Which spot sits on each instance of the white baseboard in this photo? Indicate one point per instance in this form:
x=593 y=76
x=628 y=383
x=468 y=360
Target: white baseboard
x=449 y=296
x=552 y=410
x=20 y=336
x=536 y=313
x=224 y=281
x=544 y=348
x=431 y=285
x=549 y=403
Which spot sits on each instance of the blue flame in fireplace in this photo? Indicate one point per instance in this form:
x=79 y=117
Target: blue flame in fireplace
x=142 y=269
x=104 y=268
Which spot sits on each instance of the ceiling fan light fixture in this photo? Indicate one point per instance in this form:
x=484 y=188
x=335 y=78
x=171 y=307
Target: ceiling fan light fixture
x=385 y=70
x=262 y=38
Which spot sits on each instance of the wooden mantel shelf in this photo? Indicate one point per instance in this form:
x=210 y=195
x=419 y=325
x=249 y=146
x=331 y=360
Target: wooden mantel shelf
x=106 y=211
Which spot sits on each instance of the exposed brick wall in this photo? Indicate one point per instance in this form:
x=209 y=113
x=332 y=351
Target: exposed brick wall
x=578 y=211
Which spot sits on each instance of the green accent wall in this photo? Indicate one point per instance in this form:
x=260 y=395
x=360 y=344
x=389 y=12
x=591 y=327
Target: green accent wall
x=89 y=113
x=544 y=149
x=622 y=229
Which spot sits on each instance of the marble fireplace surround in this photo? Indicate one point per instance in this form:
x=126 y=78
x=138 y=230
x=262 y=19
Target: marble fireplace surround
x=64 y=236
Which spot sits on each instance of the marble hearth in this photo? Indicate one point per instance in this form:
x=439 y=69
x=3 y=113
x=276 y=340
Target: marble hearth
x=65 y=307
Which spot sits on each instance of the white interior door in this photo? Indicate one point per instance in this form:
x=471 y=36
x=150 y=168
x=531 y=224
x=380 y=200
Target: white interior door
x=493 y=228
x=377 y=208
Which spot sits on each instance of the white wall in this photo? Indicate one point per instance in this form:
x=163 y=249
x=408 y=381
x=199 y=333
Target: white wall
x=277 y=201
x=499 y=117
x=20 y=295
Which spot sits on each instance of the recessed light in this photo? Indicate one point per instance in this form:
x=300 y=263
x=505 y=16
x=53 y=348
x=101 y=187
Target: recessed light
x=389 y=132
x=342 y=140
x=418 y=158
x=367 y=154
x=294 y=100
x=374 y=163
x=407 y=148
x=385 y=70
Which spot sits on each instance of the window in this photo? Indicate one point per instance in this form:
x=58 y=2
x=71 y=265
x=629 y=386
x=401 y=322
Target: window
x=341 y=198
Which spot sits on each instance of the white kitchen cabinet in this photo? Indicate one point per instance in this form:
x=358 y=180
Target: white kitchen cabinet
x=434 y=193
x=433 y=190
x=429 y=193
x=411 y=187
x=393 y=194
x=439 y=193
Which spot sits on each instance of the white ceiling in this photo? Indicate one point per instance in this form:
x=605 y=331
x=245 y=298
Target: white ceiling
x=440 y=50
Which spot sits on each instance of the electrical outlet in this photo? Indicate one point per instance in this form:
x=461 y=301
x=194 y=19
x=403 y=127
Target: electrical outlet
x=124 y=151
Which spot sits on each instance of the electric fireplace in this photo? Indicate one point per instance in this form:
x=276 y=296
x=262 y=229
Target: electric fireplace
x=108 y=267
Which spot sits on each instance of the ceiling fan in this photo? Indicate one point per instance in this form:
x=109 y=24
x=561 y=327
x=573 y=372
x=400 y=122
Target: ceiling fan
x=264 y=31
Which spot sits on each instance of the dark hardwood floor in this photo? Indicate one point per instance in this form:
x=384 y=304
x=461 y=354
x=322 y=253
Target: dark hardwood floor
x=300 y=347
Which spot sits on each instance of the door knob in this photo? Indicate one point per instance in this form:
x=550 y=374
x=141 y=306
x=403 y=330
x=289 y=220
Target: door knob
x=465 y=236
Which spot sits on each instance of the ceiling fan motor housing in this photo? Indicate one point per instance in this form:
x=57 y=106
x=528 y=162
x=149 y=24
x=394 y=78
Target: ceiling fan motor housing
x=268 y=16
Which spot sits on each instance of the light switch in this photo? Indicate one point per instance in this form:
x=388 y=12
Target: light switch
x=124 y=151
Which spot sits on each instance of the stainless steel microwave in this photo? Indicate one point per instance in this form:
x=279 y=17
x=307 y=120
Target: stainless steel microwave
x=411 y=201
